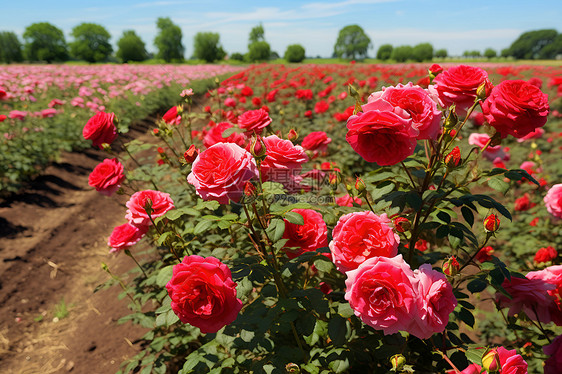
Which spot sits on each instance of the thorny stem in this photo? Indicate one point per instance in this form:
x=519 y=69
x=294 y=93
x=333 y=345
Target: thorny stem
x=123 y=286
x=128 y=253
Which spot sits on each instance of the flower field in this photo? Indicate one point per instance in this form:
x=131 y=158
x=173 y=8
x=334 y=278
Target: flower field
x=336 y=218
x=43 y=107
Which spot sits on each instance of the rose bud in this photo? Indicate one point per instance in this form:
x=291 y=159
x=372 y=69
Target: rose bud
x=435 y=69
x=191 y=154
x=360 y=186
x=481 y=93
x=257 y=147
x=398 y=361
x=402 y=224
x=452 y=119
x=249 y=189
x=451 y=267
x=491 y=361
x=453 y=159
x=491 y=223
x=292 y=367
x=292 y=135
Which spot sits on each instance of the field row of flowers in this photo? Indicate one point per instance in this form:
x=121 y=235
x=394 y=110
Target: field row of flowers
x=43 y=107
x=347 y=218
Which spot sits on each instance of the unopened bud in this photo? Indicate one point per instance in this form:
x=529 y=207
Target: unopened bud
x=402 y=224
x=292 y=368
x=360 y=186
x=335 y=177
x=434 y=70
x=481 y=93
x=398 y=361
x=191 y=154
x=452 y=119
x=491 y=223
x=257 y=147
x=491 y=361
x=292 y=135
x=249 y=189
x=451 y=267
x=453 y=159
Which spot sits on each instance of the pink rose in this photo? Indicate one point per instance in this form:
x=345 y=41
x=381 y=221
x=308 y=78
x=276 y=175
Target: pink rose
x=221 y=171
x=107 y=176
x=100 y=129
x=458 y=84
x=435 y=302
x=316 y=141
x=158 y=202
x=282 y=160
x=552 y=276
x=491 y=153
x=553 y=200
x=203 y=293
x=387 y=127
x=359 y=236
x=313 y=234
x=348 y=200
x=426 y=118
x=516 y=107
x=511 y=362
x=381 y=293
x=254 y=120
x=535 y=134
x=554 y=364
x=214 y=135
x=172 y=117
x=470 y=369
x=125 y=236
x=529 y=295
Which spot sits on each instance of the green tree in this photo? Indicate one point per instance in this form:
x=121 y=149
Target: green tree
x=91 y=42
x=206 y=46
x=168 y=40
x=237 y=56
x=294 y=53
x=422 y=52
x=384 y=52
x=441 y=53
x=490 y=53
x=258 y=51
x=257 y=34
x=506 y=52
x=44 y=42
x=402 y=53
x=10 y=47
x=552 y=50
x=352 y=43
x=530 y=43
x=131 y=47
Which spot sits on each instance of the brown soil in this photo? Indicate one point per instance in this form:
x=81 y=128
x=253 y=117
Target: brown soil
x=52 y=243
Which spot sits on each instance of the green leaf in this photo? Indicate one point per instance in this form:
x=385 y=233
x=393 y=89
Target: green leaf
x=337 y=329
x=468 y=215
x=477 y=285
x=231 y=130
x=444 y=216
x=202 y=226
x=466 y=316
x=344 y=310
x=474 y=355
x=499 y=184
x=276 y=229
x=164 y=275
x=171 y=318
x=295 y=218
x=414 y=200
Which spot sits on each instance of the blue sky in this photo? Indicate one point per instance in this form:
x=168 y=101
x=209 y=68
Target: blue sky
x=454 y=25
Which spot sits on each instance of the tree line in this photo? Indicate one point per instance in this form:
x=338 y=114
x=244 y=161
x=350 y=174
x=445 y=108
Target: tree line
x=44 y=42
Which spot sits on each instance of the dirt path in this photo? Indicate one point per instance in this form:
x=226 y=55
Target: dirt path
x=52 y=243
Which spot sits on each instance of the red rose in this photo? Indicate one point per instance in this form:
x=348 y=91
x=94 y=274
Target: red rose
x=107 y=176
x=214 y=135
x=511 y=362
x=3 y=117
x=316 y=141
x=172 y=117
x=361 y=235
x=523 y=203
x=157 y=203
x=203 y=293
x=221 y=171
x=458 y=84
x=282 y=157
x=321 y=107
x=391 y=131
x=100 y=129
x=125 y=236
x=254 y=120
x=484 y=254
x=491 y=223
x=545 y=254
x=311 y=235
x=516 y=107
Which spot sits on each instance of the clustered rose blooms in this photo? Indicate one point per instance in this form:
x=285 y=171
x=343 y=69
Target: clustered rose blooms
x=158 y=202
x=125 y=236
x=221 y=171
x=309 y=236
x=382 y=133
x=100 y=129
x=317 y=142
x=553 y=200
x=516 y=107
x=426 y=117
x=510 y=363
x=203 y=293
x=107 y=176
x=254 y=120
x=458 y=85
x=545 y=254
x=387 y=295
x=359 y=236
x=554 y=363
